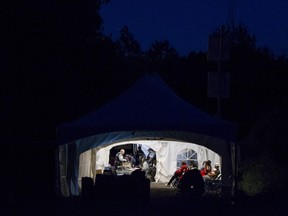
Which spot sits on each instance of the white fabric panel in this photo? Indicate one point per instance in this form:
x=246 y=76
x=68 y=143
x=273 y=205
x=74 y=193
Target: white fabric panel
x=102 y=157
x=85 y=166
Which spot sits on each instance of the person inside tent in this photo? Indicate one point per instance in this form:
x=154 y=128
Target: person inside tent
x=215 y=172
x=206 y=168
x=151 y=157
x=151 y=160
x=120 y=158
x=129 y=158
x=139 y=155
x=178 y=173
x=145 y=166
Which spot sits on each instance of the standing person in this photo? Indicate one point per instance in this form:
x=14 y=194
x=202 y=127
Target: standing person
x=151 y=160
x=179 y=172
x=139 y=155
x=120 y=158
x=192 y=182
x=151 y=157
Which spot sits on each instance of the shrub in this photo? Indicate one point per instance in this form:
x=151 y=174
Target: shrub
x=253 y=180
x=262 y=175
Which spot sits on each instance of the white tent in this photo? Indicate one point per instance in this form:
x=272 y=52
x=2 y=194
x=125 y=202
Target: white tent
x=148 y=111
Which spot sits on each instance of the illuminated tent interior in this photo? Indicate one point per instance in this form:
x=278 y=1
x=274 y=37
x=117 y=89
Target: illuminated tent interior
x=169 y=154
x=148 y=113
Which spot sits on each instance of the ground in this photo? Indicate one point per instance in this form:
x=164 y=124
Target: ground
x=163 y=201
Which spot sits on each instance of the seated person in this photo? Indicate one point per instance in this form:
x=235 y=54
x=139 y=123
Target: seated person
x=145 y=165
x=192 y=182
x=129 y=158
x=215 y=172
x=206 y=168
x=179 y=173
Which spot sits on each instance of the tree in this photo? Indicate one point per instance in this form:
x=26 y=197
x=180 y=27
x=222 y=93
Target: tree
x=127 y=44
x=50 y=51
x=162 y=51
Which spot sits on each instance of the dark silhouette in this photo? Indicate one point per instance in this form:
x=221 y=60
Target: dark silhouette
x=192 y=182
x=139 y=156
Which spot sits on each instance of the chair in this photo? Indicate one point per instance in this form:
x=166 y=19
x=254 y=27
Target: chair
x=214 y=186
x=175 y=183
x=176 y=186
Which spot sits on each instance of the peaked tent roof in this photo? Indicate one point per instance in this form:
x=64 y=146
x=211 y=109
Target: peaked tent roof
x=148 y=105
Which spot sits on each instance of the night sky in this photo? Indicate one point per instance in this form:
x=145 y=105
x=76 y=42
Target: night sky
x=186 y=24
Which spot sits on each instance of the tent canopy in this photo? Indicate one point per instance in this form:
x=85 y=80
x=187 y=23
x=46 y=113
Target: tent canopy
x=148 y=110
x=149 y=105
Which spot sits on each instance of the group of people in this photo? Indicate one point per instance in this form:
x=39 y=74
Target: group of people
x=207 y=172
x=140 y=160
x=191 y=179
x=148 y=164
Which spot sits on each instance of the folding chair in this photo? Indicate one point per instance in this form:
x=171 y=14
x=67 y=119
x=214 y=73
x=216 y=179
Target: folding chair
x=214 y=187
x=175 y=183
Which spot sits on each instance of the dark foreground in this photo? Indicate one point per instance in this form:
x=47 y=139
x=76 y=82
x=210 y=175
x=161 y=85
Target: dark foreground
x=163 y=201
